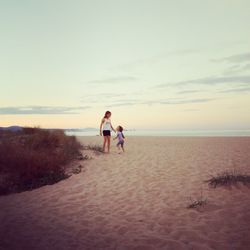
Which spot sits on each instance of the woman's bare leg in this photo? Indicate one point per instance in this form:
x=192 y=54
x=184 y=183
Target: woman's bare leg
x=108 y=139
x=104 y=143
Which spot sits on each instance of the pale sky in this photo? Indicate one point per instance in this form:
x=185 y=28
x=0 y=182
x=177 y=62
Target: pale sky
x=155 y=64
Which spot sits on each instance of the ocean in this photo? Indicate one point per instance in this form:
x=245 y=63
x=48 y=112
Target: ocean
x=148 y=132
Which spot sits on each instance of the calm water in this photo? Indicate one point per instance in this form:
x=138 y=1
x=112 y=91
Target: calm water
x=170 y=133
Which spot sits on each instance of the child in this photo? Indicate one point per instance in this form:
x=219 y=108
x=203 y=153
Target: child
x=105 y=130
x=120 y=137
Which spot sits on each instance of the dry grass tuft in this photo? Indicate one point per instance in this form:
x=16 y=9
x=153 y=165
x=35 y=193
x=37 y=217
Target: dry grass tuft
x=228 y=178
x=198 y=202
x=96 y=148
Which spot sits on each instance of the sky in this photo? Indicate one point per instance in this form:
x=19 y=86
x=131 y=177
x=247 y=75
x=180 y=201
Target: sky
x=155 y=64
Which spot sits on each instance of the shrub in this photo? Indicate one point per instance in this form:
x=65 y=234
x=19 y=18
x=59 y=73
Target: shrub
x=33 y=158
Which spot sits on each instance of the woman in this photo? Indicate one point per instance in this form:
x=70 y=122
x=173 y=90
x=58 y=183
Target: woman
x=105 y=130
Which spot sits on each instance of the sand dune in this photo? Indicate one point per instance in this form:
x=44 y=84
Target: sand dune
x=137 y=200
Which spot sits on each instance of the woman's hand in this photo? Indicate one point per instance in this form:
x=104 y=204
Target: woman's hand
x=101 y=126
x=113 y=128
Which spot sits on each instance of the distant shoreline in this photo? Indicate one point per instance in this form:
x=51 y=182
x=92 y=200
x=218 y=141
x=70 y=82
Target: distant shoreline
x=169 y=133
x=148 y=132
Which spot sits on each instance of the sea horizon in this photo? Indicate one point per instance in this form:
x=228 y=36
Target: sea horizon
x=166 y=132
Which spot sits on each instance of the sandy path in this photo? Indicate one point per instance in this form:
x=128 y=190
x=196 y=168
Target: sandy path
x=137 y=200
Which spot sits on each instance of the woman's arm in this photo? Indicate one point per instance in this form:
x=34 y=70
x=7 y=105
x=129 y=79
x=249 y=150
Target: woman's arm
x=113 y=128
x=101 y=126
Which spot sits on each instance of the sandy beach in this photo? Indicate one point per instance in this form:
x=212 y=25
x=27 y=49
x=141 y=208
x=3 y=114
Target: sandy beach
x=137 y=200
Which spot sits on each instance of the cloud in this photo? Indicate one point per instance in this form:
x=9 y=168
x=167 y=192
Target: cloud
x=238 y=58
x=110 y=99
x=155 y=58
x=198 y=100
x=213 y=80
x=237 y=68
x=239 y=63
x=112 y=80
x=123 y=104
x=163 y=102
x=41 y=110
x=99 y=98
x=188 y=91
x=246 y=66
x=236 y=90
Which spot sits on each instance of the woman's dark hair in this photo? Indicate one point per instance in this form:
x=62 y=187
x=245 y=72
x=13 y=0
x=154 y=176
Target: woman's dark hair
x=106 y=114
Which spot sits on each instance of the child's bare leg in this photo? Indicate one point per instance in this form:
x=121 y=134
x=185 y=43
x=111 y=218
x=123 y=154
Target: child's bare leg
x=123 y=148
x=118 y=148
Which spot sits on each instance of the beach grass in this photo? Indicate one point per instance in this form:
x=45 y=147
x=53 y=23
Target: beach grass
x=34 y=157
x=95 y=148
x=197 y=202
x=228 y=178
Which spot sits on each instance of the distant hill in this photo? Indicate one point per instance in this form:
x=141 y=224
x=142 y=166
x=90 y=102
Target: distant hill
x=11 y=128
x=19 y=128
